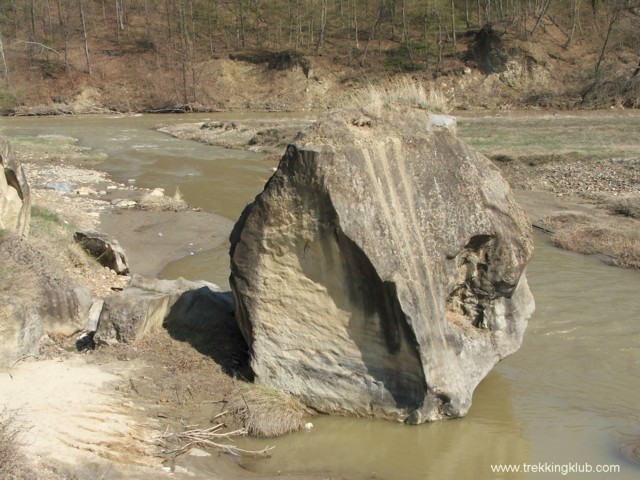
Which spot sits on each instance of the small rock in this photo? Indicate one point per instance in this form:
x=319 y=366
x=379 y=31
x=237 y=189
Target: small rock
x=123 y=203
x=196 y=452
x=84 y=191
x=160 y=234
x=157 y=192
x=60 y=187
x=112 y=187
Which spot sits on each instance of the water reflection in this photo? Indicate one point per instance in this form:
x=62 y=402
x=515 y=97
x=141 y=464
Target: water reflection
x=463 y=448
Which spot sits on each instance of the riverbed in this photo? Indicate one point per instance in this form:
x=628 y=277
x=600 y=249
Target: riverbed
x=568 y=398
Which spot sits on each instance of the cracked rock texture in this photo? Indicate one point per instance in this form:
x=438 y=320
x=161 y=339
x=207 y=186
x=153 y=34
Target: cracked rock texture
x=381 y=272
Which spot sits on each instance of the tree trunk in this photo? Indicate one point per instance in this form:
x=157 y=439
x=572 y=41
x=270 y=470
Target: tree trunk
x=542 y=12
x=405 y=32
x=373 y=31
x=453 y=22
x=5 y=68
x=85 y=38
x=426 y=35
x=613 y=19
x=323 y=24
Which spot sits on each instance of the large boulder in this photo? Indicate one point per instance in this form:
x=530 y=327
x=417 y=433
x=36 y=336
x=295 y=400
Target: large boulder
x=15 y=196
x=381 y=272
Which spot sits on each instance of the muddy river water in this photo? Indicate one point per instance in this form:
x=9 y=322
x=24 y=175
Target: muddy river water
x=567 y=402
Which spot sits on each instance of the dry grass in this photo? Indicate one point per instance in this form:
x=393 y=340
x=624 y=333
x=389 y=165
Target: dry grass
x=13 y=464
x=155 y=201
x=565 y=219
x=374 y=98
x=17 y=281
x=267 y=412
x=50 y=235
x=621 y=247
x=628 y=206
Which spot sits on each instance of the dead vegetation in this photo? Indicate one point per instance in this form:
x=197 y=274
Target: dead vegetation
x=13 y=463
x=267 y=412
x=577 y=232
x=216 y=437
x=627 y=206
x=372 y=99
x=53 y=238
x=157 y=200
x=16 y=281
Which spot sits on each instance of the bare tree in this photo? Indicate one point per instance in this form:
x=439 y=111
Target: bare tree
x=614 y=13
x=453 y=22
x=5 y=68
x=84 y=36
x=323 y=25
x=376 y=21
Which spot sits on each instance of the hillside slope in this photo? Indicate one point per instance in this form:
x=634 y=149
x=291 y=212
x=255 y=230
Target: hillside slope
x=199 y=56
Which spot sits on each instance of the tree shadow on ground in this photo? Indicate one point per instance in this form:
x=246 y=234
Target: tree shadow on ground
x=205 y=319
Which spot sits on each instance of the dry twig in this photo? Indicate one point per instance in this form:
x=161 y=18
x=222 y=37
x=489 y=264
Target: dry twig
x=210 y=437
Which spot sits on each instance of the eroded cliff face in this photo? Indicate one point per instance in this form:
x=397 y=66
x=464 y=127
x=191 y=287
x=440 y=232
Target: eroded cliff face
x=381 y=271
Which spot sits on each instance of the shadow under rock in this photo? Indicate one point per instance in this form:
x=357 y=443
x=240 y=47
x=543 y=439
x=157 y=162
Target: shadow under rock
x=206 y=320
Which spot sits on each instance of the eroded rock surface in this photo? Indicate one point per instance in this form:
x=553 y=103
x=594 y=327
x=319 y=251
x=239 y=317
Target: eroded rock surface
x=15 y=196
x=382 y=270
x=147 y=304
x=36 y=296
x=105 y=249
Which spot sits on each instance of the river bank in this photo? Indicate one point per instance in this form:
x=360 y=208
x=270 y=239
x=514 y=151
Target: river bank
x=164 y=376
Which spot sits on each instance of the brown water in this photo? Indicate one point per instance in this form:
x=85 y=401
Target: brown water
x=571 y=395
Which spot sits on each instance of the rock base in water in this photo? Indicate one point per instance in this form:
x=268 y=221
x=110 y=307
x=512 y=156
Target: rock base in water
x=381 y=271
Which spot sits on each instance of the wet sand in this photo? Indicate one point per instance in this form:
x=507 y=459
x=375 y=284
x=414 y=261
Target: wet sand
x=152 y=239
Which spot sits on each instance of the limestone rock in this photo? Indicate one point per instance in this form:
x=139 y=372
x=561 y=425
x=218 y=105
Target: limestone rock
x=15 y=196
x=144 y=306
x=105 y=249
x=381 y=272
